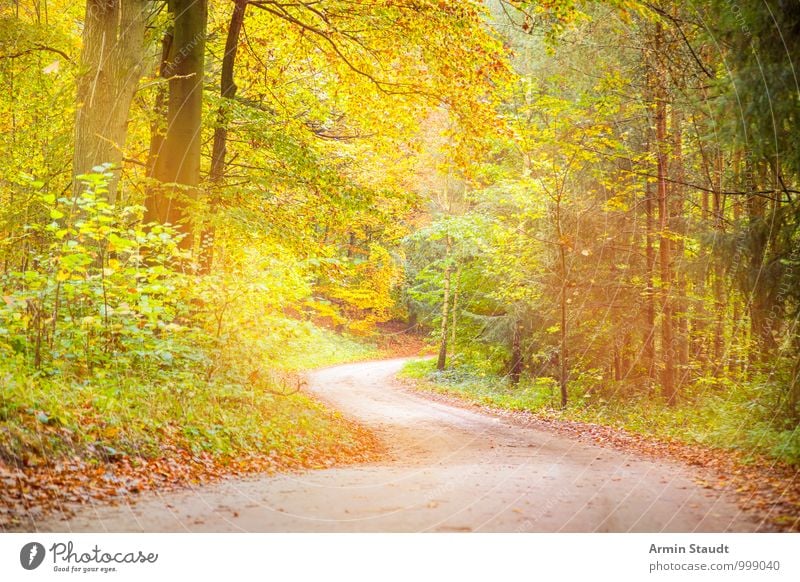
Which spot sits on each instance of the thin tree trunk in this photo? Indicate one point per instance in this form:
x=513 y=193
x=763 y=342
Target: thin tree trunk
x=227 y=90
x=650 y=309
x=665 y=254
x=159 y=122
x=441 y=362
x=219 y=150
x=515 y=373
x=563 y=379
x=719 y=271
x=679 y=228
x=454 y=310
x=111 y=65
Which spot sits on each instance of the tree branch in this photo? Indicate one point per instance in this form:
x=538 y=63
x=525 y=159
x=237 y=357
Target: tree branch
x=38 y=47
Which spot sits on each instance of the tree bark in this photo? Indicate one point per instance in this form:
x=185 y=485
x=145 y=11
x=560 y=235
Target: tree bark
x=111 y=65
x=665 y=253
x=719 y=269
x=441 y=362
x=227 y=90
x=563 y=379
x=158 y=123
x=454 y=311
x=761 y=300
x=177 y=164
x=650 y=309
x=516 y=354
x=219 y=150
x=678 y=223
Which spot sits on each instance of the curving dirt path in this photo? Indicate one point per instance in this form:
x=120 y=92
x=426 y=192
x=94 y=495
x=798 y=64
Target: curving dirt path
x=448 y=470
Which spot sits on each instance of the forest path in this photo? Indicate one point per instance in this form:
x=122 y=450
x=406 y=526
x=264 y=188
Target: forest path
x=448 y=469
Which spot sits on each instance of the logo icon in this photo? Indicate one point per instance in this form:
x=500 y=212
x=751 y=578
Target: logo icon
x=31 y=555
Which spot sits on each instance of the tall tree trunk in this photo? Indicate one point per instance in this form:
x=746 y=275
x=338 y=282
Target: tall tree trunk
x=441 y=362
x=515 y=371
x=665 y=253
x=563 y=372
x=158 y=125
x=719 y=269
x=678 y=222
x=454 y=311
x=219 y=150
x=650 y=309
x=111 y=65
x=227 y=90
x=177 y=164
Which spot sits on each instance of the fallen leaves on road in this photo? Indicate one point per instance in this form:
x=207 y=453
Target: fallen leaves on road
x=29 y=494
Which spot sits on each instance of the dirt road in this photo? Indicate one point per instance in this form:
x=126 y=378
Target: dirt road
x=449 y=470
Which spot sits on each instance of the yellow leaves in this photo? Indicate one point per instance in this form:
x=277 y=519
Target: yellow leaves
x=363 y=289
x=616 y=204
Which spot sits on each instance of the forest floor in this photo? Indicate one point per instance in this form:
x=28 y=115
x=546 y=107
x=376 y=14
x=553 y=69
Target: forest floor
x=445 y=467
x=57 y=468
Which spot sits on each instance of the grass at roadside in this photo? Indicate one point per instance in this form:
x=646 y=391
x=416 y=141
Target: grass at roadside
x=706 y=417
x=66 y=441
x=243 y=411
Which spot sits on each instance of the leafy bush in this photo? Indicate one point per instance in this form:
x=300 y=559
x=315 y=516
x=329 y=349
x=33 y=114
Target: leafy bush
x=100 y=293
x=110 y=341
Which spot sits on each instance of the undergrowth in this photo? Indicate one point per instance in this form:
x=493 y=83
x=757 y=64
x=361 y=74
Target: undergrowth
x=121 y=411
x=114 y=342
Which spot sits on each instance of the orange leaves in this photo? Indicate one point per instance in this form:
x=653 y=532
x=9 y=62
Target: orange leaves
x=30 y=494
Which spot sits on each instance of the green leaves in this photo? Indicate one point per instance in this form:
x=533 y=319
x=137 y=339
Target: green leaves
x=89 y=297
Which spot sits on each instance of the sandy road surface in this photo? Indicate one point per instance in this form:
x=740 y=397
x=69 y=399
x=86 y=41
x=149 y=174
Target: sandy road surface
x=449 y=469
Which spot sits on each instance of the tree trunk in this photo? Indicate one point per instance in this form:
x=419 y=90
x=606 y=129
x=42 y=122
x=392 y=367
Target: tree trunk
x=227 y=90
x=159 y=121
x=563 y=379
x=515 y=371
x=111 y=65
x=761 y=300
x=678 y=223
x=454 y=311
x=650 y=309
x=665 y=254
x=177 y=164
x=441 y=362
x=719 y=270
